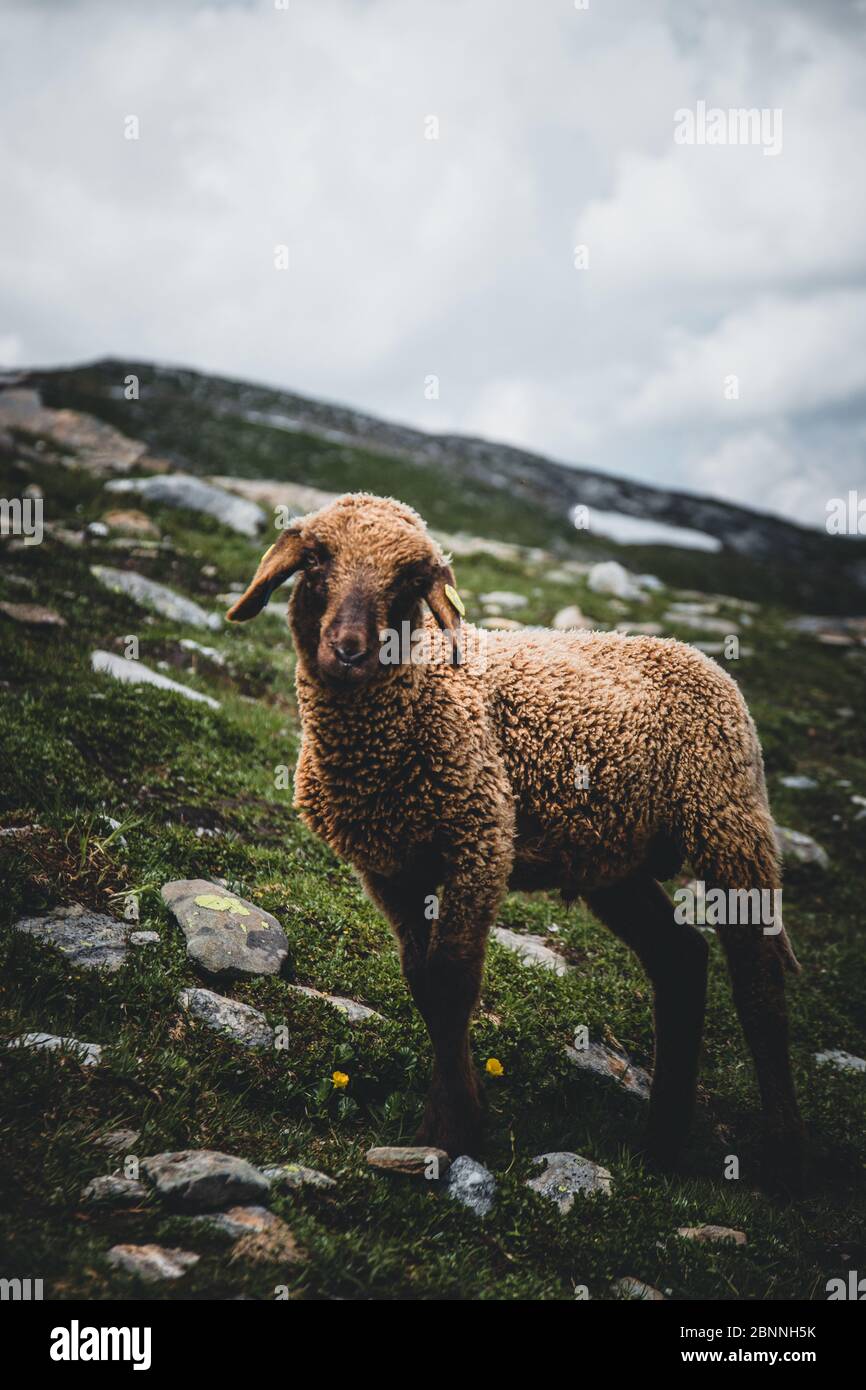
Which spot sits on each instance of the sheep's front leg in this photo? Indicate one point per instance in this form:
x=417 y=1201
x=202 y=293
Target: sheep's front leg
x=443 y=960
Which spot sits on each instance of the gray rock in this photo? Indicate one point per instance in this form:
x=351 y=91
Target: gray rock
x=211 y=654
x=418 y=1162
x=118 y=1141
x=570 y=617
x=356 y=1013
x=640 y=629
x=225 y=935
x=151 y=1262
x=531 y=949
x=88 y=1054
x=143 y=938
x=158 y=597
x=635 y=1291
x=610 y=577
x=498 y=623
x=608 y=1065
x=697 y=623
x=799 y=783
x=269 y=493
x=568 y=1175
x=290 y=1177
x=111 y=1190
x=802 y=849
x=90 y=940
x=232 y=1019
x=239 y=1221
x=195 y=495
x=844 y=1061
x=712 y=1235
x=136 y=673
x=504 y=598
x=471 y=1184
x=202 y=1179
x=32 y=614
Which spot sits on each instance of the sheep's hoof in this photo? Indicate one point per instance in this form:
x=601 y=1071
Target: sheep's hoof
x=457 y=1134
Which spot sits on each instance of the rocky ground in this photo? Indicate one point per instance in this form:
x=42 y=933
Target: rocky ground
x=211 y=1068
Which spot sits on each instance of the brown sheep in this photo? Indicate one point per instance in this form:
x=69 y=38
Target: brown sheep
x=592 y=763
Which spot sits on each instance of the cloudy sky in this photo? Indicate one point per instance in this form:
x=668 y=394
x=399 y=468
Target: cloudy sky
x=712 y=334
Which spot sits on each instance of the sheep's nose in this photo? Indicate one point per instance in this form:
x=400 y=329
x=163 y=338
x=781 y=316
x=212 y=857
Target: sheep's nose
x=350 y=656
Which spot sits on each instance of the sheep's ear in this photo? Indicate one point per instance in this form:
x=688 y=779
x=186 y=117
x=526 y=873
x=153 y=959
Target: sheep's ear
x=276 y=566
x=446 y=605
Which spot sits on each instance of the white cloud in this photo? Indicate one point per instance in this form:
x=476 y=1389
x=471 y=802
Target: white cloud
x=454 y=257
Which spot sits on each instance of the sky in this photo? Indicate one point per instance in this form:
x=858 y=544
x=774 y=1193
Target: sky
x=498 y=219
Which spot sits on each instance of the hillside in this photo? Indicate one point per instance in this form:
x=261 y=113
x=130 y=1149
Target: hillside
x=112 y=789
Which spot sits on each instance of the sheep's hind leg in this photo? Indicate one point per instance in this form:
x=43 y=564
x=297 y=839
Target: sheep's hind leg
x=756 y=964
x=674 y=956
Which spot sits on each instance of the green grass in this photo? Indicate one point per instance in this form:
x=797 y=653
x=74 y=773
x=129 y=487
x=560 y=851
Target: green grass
x=77 y=748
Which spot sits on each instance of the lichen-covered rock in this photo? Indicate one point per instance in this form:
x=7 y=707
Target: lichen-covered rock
x=418 y=1162
x=568 y=1175
x=90 y=940
x=239 y=1022
x=203 y=1179
x=225 y=935
x=471 y=1184
x=151 y=1262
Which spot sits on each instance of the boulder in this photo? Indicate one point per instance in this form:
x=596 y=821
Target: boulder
x=193 y=494
x=157 y=597
x=225 y=935
x=203 y=1179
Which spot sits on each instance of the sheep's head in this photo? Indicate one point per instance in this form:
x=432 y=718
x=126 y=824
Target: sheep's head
x=364 y=565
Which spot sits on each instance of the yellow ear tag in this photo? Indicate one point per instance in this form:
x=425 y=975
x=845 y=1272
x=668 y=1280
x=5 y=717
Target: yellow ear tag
x=266 y=554
x=455 y=600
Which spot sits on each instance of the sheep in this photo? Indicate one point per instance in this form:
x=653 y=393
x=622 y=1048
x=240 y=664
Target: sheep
x=591 y=763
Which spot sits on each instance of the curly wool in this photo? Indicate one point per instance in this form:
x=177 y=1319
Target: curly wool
x=580 y=757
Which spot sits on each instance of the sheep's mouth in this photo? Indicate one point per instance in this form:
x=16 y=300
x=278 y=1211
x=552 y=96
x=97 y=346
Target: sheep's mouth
x=341 y=675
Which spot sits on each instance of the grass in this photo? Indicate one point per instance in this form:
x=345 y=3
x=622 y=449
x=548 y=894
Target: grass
x=195 y=793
